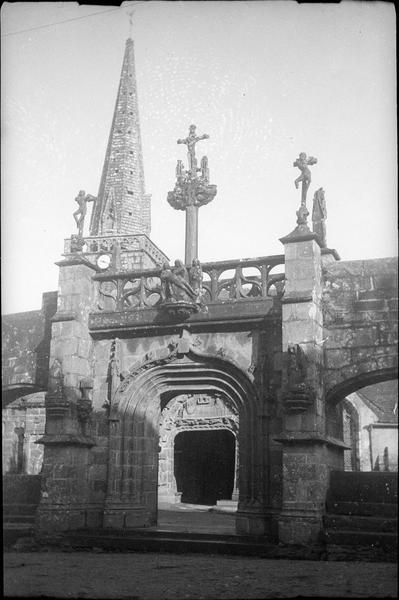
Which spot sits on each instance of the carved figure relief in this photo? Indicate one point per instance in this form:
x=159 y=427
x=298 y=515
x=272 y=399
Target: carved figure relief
x=85 y=403
x=56 y=403
x=190 y=142
x=191 y=190
x=79 y=215
x=299 y=394
x=319 y=215
x=174 y=284
x=56 y=378
x=196 y=278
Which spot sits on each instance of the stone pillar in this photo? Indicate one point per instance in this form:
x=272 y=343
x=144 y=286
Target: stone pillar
x=235 y=494
x=191 y=246
x=67 y=439
x=308 y=454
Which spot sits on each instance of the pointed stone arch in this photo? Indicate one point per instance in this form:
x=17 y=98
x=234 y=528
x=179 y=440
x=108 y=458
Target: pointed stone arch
x=133 y=446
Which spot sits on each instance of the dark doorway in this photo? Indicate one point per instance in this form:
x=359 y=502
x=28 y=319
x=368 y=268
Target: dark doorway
x=204 y=466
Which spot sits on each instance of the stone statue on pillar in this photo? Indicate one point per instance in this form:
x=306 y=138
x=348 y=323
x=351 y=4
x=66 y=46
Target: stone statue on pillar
x=299 y=395
x=303 y=162
x=319 y=215
x=79 y=215
x=191 y=191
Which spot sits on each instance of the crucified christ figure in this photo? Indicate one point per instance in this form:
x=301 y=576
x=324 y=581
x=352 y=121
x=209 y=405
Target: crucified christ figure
x=190 y=142
x=305 y=177
x=79 y=215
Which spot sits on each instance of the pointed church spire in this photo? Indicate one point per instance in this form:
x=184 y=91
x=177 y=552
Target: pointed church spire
x=122 y=206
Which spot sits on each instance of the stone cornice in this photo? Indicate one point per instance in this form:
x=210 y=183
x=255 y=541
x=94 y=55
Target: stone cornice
x=77 y=259
x=301 y=233
x=297 y=438
x=66 y=439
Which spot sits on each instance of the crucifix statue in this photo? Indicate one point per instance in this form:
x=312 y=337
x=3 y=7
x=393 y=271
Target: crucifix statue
x=190 y=142
x=191 y=192
x=303 y=163
x=79 y=215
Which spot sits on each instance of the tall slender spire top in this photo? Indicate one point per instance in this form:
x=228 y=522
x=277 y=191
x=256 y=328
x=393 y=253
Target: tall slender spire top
x=122 y=206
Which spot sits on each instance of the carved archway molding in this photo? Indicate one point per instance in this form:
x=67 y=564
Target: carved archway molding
x=134 y=424
x=192 y=413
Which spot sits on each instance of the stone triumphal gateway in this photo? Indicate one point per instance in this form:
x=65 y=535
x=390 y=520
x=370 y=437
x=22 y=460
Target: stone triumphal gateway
x=203 y=382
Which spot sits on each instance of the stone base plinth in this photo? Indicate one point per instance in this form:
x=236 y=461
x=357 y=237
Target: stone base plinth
x=297 y=529
x=51 y=518
x=254 y=523
x=128 y=517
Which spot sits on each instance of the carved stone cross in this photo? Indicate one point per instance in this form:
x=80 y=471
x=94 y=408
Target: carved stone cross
x=190 y=142
x=191 y=192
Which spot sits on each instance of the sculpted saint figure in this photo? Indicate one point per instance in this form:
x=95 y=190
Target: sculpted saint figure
x=180 y=170
x=196 y=278
x=55 y=378
x=190 y=142
x=303 y=163
x=204 y=169
x=319 y=215
x=296 y=365
x=79 y=215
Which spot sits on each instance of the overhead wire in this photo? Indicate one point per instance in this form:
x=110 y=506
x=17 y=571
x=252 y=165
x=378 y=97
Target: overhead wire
x=59 y=22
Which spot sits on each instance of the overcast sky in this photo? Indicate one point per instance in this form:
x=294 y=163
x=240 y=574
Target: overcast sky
x=266 y=80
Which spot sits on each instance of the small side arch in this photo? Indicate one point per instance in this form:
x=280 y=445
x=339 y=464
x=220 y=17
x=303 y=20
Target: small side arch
x=362 y=379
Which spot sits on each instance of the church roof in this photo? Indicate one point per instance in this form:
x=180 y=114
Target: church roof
x=382 y=398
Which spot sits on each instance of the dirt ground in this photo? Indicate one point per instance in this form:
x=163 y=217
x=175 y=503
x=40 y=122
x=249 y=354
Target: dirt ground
x=151 y=576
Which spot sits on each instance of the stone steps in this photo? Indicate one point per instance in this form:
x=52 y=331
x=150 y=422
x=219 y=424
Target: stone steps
x=15 y=531
x=366 y=509
x=181 y=542
x=365 y=487
x=384 y=540
x=360 y=523
x=166 y=541
x=361 y=516
x=22 y=519
x=19 y=509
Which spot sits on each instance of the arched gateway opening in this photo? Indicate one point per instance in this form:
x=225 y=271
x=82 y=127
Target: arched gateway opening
x=198 y=449
x=161 y=414
x=204 y=466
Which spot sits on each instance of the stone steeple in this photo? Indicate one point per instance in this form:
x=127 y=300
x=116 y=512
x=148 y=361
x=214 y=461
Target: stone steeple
x=122 y=206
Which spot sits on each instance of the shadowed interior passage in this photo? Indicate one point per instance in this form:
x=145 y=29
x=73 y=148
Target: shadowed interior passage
x=204 y=466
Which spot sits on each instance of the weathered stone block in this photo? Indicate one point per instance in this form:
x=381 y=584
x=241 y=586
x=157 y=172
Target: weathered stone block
x=335 y=358
x=299 y=530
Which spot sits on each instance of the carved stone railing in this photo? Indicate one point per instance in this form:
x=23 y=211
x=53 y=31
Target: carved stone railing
x=224 y=281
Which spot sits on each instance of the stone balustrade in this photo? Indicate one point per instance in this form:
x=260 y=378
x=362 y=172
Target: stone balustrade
x=223 y=281
x=91 y=247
